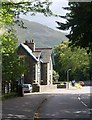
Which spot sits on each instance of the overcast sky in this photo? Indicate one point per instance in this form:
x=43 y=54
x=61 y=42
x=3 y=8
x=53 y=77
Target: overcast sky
x=56 y=7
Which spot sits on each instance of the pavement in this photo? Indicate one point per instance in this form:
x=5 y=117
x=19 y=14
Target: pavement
x=26 y=107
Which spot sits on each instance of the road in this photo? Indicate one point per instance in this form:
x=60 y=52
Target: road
x=67 y=106
x=60 y=104
x=21 y=108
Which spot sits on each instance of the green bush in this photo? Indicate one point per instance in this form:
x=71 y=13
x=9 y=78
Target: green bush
x=55 y=76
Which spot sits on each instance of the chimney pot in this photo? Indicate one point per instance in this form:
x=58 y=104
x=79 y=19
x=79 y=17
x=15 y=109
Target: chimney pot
x=32 y=40
x=26 y=41
x=30 y=44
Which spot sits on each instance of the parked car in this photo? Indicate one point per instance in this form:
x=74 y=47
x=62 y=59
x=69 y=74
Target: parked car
x=27 y=87
x=81 y=83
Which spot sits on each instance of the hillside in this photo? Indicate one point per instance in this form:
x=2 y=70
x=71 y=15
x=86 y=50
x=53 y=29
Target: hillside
x=42 y=35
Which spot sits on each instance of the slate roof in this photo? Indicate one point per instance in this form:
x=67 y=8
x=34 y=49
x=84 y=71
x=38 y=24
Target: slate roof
x=37 y=54
x=45 y=54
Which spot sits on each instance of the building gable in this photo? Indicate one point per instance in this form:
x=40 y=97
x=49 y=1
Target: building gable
x=28 y=51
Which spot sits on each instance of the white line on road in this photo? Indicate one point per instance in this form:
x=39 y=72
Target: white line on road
x=82 y=102
x=78 y=98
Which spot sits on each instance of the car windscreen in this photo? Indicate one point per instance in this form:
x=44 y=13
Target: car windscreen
x=25 y=86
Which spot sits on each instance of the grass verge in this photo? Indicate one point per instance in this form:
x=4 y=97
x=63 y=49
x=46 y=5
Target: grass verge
x=9 y=95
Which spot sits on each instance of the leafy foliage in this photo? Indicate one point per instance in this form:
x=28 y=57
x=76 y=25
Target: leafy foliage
x=75 y=59
x=32 y=7
x=5 y=18
x=55 y=76
x=12 y=65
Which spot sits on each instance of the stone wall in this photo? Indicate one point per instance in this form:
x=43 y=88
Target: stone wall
x=47 y=88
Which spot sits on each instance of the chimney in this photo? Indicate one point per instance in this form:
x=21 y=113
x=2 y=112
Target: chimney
x=26 y=42
x=30 y=44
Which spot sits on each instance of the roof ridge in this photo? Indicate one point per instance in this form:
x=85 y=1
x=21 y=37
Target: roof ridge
x=29 y=51
x=43 y=48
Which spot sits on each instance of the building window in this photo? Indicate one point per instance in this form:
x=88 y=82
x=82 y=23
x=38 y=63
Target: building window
x=50 y=65
x=34 y=71
x=50 y=77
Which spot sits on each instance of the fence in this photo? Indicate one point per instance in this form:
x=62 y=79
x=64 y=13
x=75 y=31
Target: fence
x=9 y=87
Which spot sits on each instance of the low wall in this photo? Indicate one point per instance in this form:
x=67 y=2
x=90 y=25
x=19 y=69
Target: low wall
x=88 y=83
x=47 y=88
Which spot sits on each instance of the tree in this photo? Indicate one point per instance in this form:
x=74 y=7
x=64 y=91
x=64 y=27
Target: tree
x=79 y=21
x=55 y=76
x=75 y=59
x=12 y=66
x=14 y=9
x=11 y=10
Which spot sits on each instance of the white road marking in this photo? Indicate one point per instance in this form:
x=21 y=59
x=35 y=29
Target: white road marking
x=82 y=102
x=78 y=98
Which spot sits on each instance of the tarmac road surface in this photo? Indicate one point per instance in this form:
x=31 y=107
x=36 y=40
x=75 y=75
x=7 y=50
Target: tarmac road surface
x=61 y=104
x=66 y=106
x=70 y=105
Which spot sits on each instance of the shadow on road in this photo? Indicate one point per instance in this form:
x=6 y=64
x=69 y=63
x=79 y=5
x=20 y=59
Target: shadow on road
x=24 y=108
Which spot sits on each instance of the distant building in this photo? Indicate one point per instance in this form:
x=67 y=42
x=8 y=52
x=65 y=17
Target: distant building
x=39 y=63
